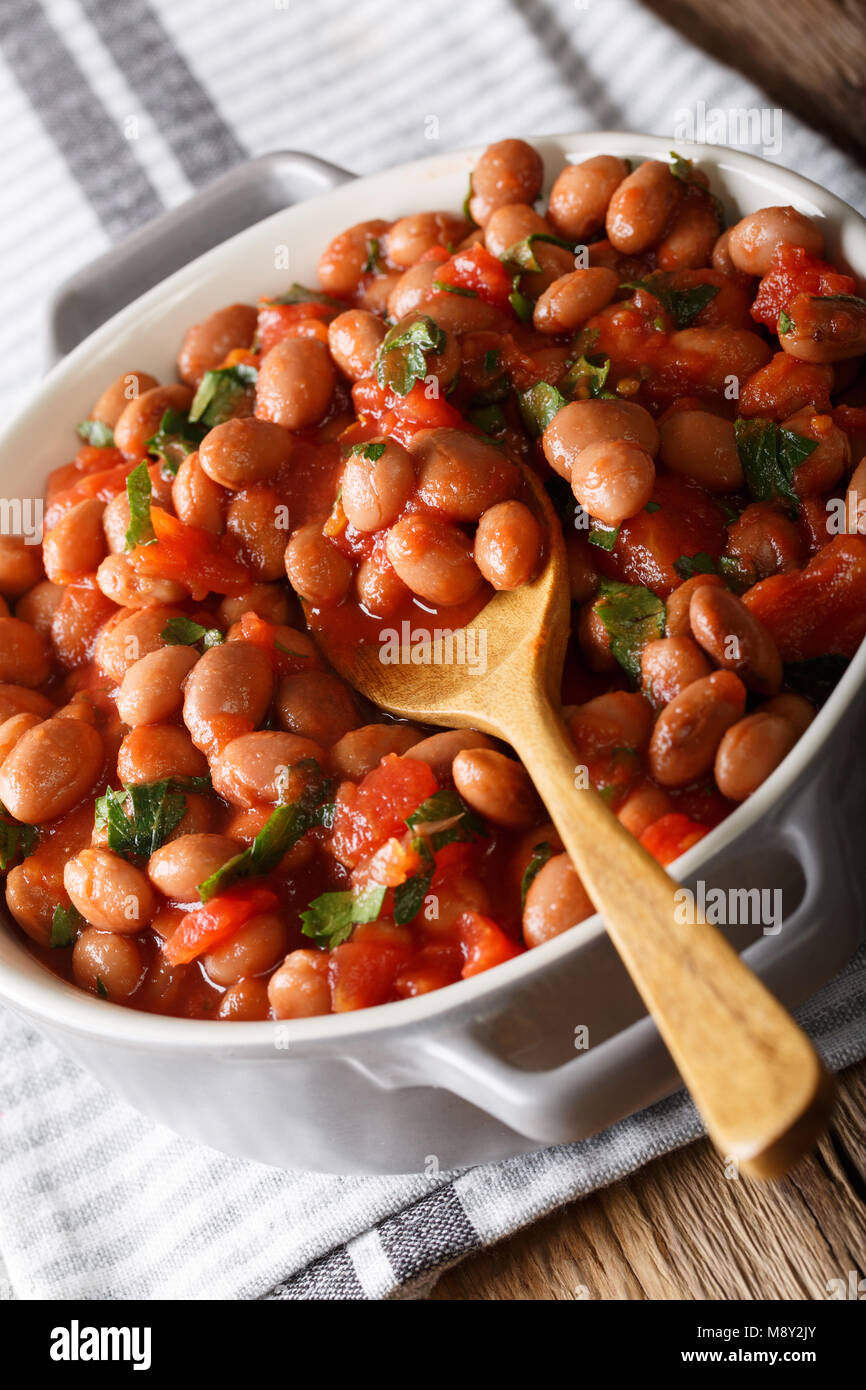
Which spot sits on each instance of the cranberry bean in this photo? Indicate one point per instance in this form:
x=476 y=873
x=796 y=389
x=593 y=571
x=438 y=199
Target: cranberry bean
x=13 y=728
x=227 y=693
x=295 y=383
x=701 y=446
x=17 y=699
x=749 y=751
x=798 y=711
x=454 y=313
x=580 y=195
x=644 y=805
x=461 y=475
x=499 y=788
x=735 y=639
x=613 y=480
x=583 y=577
x=509 y=171
x=31 y=899
x=107 y=963
x=594 y=639
x=120 y=644
x=252 y=518
x=641 y=207
x=299 y=988
x=721 y=256
x=821 y=471
x=360 y=750
x=239 y=453
x=245 y=1002
x=766 y=541
x=752 y=242
x=77 y=543
x=375 y=490
x=119 y=580
x=691 y=235
x=434 y=560
x=178 y=868
x=20 y=565
x=688 y=730
x=316 y=705
x=582 y=423
x=253 y=950
x=115 y=524
x=444 y=364
x=257 y=767
x=271 y=602
x=825 y=329
x=152 y=752
x=379 y=589
x=341 y=264
x=38 y=606
x=784 y=385
x=196 y=498
x=573 y=299
x=354 y=339
x=409 y=237
x=668 y=665
x=716 y=354
x=555 y=902
x=508 y=545
x=317 y=570
x=411 y=291
x=206 y=345
x=617 y=719
x=439 y=750
x=112 y=894
x=116 y=397
x=140 y=418
x=374 y=295
x=23 y=653
x=513 y=224
x=676 y=620
x=152 y=690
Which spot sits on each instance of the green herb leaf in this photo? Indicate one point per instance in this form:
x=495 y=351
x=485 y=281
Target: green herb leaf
x=689 y=565
x=587 y=373
x=15 y=840
x=97 y=433
x=770 y=455
x=466 y=213
x=184 y=632
x=490 y=419
x=632 y=616
x=409 y=896
x=492 y=359
x=101 y=988
x=818 y=677
x=682 y=305
x=540 y=855
x=680 y=168
x=784 y=324
x=522 y=254
x=302 y=294
x=369 y=449
x=64 y=927
x=138 y=491
x=220 y=392
x=280 y=832
x=402 y=358
x=372 y=260
x=652 y=507
x=330 y=918
x=538 y=406
x=176 y=438
x=445 y=806
x=156 y=809
x=605 y=537
x=445 y=288
x=523 y=306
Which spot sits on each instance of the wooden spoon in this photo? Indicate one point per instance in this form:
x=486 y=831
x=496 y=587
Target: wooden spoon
x=753 y=1074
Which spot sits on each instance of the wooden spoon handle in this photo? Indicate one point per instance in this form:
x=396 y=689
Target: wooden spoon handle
x=753 y=1074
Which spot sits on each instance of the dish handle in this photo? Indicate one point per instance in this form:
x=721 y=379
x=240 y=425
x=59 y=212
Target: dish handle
x=632 y=1068
x=246 y=194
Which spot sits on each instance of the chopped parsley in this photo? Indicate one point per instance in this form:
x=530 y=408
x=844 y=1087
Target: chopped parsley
x=372 y=260
x=632 y=616
x=522 y=254
x=184 y=632
x=65 y=925
x=540 y=855
x=138 y=491
x=587 y=374
x=372 y=449
x=681 y=168
x=15 y=839
x=97 y=433
x=687 y=566
x=220 y=392
x=770 y=456
x=784 y=324
x=538 y=406
x=156 y=809
x=402 y=358
x=682 y=305
x=302 y=294
x=176 y=438
x=605 y=537
x=101 y=988
x=330 y=918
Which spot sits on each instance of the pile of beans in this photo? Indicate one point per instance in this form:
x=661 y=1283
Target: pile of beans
x=198 y=816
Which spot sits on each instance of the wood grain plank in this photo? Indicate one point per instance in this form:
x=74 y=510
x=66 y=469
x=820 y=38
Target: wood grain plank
x=681 y=1229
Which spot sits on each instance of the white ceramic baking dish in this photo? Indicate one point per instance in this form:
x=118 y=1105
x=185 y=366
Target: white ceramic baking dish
x=486 y=1068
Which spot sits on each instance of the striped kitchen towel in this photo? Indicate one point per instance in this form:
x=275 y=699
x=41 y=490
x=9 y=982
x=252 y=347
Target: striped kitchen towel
x=111 y=113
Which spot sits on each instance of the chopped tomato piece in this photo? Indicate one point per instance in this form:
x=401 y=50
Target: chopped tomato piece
x=192 y=556
x=104 y=483
x=477 y=271
x=206 y=926
x=430 y=968
x=435 y=253
x=284 y=660
x=403 y=416
x=819 y=609
x=391 y=864
x=784 y=386
x=484 y=943
x=369 y=814
x=793 y=271
x=850 y=418
x=686 y=523
x=668 y=838
x=279 y=321
x=362 y=971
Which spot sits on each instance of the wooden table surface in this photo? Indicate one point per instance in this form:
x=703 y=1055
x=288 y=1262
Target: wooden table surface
x=679 y=1229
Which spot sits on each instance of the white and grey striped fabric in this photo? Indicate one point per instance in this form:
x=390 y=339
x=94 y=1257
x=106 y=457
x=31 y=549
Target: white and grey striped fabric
x=111 y=113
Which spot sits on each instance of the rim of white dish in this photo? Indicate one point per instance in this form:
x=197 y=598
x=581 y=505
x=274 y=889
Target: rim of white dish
x=31 y=987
